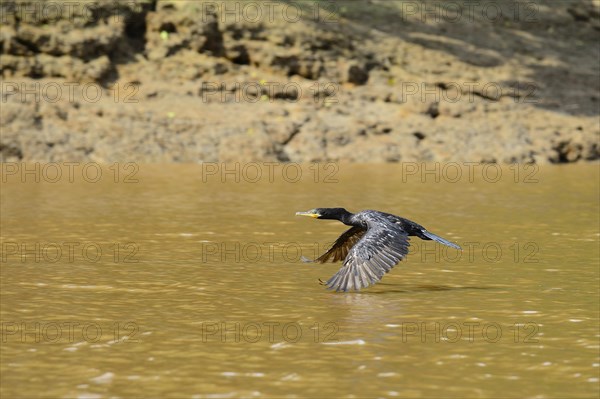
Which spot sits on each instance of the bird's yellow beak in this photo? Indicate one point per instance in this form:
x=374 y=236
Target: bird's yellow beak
x=312 y=214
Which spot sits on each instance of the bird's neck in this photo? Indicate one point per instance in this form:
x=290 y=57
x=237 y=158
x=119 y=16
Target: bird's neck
x=347 y=218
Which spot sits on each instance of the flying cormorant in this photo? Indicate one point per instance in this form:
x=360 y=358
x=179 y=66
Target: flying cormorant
x=374 y=244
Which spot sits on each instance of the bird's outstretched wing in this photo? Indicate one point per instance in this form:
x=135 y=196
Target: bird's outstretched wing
x=383 y=245
x=340 y=248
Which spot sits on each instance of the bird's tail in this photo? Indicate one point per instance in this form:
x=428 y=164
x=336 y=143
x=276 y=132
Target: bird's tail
x=439 y=239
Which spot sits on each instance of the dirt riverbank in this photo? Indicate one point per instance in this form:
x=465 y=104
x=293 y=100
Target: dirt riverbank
x=359 y=81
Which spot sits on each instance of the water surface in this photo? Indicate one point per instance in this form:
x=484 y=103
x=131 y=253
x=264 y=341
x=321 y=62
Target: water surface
x=180 y=281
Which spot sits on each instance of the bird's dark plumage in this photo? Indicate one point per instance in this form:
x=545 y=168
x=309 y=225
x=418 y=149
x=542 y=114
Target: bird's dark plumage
x=374 y=244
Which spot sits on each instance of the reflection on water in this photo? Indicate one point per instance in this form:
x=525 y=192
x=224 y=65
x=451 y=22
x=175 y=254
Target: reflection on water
x=193 y=287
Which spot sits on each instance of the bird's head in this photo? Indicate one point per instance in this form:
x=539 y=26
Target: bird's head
x=325 y=213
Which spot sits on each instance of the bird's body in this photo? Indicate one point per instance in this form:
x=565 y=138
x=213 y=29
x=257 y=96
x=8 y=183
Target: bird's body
x=374 y=244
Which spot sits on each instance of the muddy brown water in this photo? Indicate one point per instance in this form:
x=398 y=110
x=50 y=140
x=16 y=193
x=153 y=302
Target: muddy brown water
x=186 y=281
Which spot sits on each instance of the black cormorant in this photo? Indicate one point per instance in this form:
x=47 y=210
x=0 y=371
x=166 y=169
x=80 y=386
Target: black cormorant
x=374 y=244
